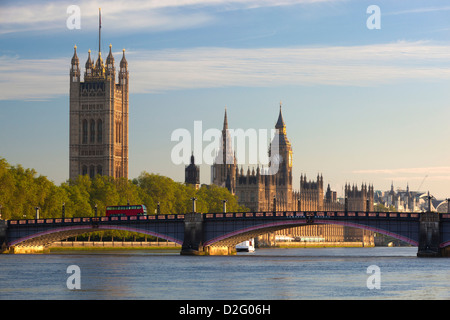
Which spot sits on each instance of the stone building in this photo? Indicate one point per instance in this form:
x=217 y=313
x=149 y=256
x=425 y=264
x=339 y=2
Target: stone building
x=99 y=117
x=192 y=174
x=260 y=191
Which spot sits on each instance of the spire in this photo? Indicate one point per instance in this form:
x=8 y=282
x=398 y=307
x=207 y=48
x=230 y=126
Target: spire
x=123 y=62
x=110 y=58
x=75 y=59
x=89 y=63
x=225 y=120
x=280 y=123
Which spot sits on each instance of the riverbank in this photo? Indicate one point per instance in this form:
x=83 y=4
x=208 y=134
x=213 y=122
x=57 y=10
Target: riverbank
x=112 y=245
x=298 y=244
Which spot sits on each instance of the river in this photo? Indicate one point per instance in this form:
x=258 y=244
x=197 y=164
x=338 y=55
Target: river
x=266 y=274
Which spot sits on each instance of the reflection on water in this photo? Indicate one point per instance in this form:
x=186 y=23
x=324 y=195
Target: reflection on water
x=328 y=273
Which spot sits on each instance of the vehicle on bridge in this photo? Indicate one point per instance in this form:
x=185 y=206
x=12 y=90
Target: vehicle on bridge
x=128 y=210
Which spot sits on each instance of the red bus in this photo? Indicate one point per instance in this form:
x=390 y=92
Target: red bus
x=121 y=211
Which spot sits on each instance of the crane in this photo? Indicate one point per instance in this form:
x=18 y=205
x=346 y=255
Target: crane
x=418 y=189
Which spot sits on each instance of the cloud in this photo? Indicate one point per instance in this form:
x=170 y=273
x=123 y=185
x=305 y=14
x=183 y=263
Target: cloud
x=419 y=10
x=128 y=15
x=207 y=67
x=410 y=174
x=262 y=67
x=423 y=170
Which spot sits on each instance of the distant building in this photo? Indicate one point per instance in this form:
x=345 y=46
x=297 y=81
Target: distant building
x=403 y=200
x=192 y=174
x=274 y=192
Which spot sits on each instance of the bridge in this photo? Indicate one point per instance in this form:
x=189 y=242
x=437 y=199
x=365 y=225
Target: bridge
x=218 y=233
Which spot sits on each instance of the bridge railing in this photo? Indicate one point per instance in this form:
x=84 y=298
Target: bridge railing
x=315 y=214
x=243 y=215
x=90 y=220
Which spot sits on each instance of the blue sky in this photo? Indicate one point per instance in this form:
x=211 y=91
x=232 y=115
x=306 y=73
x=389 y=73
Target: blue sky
x=360 y=105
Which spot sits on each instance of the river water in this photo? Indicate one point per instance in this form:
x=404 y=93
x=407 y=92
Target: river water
x=275 y=274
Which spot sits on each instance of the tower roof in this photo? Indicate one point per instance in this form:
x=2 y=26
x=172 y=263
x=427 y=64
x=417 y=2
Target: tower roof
x=225 y=120
x=110 y=58
x=89 y=63
x=280 y=123
x=75 y=59
x=123 y=62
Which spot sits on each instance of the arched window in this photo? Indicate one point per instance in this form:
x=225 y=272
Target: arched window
x=84 y=170
x=85 y=131
x=99 y=131
x=99 y=170
x=92 y=140
x=92 y=172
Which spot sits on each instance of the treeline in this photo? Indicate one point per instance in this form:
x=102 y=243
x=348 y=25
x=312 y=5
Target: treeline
x=21 y=190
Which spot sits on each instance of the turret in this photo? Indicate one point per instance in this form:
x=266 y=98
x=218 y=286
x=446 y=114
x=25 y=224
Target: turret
x=123 y=74
x=110 y=70
x=75 y=67
x=89 y=66
x=99 y=69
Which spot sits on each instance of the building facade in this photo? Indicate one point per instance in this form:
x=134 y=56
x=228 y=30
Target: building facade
x=259 y=190
x=99 y=117
x=192 y=174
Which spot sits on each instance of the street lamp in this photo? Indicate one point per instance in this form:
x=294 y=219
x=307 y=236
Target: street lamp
x=63 y=210
x=37 y=212
x=224 y=206
x=95 y=209
x=1 y=211
x=193 y=204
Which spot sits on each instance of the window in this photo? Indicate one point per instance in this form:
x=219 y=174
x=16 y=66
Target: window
x=84 y=170
x=92 y=172
x=85 y=131
x=99 y=131
x=99 y=170
x=92 y=139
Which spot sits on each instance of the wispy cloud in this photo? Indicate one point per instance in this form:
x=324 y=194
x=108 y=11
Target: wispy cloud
x=172 y=69
x=410 y=174
x=423 y=170
x=418 y=10
x=126 y=15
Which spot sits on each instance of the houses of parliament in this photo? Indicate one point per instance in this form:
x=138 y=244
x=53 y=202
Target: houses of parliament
x=259 y=191
x=99 y=117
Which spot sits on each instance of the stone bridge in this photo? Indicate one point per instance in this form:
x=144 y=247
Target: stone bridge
x=218 y=233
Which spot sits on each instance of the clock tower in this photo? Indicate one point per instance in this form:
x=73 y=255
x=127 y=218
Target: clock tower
x=281 y=161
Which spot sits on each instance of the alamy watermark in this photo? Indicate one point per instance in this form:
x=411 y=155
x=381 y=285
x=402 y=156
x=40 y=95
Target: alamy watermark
x=374 y=20
x=74 y=280
x=252 y=147
x=74 y=20
x=374 y=280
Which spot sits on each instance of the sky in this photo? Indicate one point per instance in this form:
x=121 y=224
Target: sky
x=361 y=104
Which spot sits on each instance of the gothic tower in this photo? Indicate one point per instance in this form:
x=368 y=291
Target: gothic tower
x=99 y=117
x=281 y=162
x=223 y=170
x=192 y=174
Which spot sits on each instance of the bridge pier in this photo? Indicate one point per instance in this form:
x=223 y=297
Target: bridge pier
x=220 y=250
x=429 y=235
x=193 y=235
x=3 y=228
x=193 y=239
x=27 y=249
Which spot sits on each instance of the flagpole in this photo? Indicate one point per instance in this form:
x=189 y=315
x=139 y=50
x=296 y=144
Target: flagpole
x=99 y=29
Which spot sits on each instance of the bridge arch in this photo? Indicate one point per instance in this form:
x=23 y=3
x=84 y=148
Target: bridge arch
x=239 y=235
x=48 y=236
